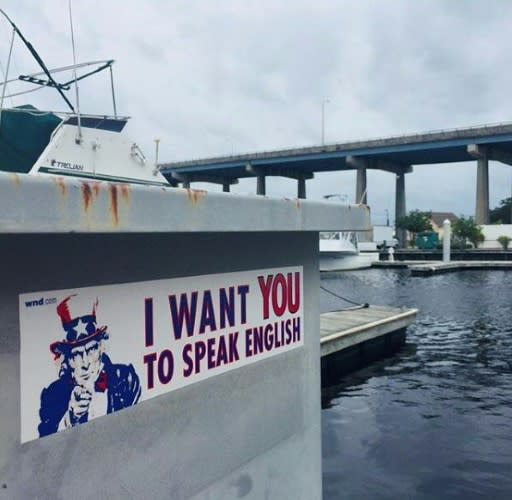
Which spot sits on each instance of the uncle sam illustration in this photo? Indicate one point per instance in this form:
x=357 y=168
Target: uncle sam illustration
x=89 y=384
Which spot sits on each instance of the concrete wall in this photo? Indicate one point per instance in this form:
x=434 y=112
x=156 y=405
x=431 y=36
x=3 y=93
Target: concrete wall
x=250 y=433
x=492 y=232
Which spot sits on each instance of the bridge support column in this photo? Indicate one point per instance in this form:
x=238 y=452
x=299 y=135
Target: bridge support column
x=361 y=195
x=301 y=187
x=400 y=207
x=186 y=184
x=362 y=165
x=482 y=191
x=225 y=187
x=261 y=185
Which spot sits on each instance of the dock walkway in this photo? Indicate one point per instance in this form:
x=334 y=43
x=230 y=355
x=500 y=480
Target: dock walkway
x=428 y=268
x=343 y=329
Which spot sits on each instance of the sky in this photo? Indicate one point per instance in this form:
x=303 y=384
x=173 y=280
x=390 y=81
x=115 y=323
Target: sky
x=214 y=78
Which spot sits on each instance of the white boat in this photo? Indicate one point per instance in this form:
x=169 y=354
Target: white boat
x=68 y=143
x=339 y=251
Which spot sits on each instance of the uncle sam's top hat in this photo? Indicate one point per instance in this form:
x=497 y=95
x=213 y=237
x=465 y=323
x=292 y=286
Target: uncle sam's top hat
x=78 y=330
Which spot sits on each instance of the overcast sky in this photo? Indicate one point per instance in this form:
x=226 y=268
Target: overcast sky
x=219 y=77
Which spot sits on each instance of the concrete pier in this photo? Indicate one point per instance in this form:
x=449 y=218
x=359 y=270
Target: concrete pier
x=400 y=209
x=482 y=191
x=261 y=188
x=361 y=187
x=239 y=418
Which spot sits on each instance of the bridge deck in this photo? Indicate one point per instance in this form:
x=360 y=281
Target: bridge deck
x=390 y=154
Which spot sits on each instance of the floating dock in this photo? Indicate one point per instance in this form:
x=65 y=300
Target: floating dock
x=428 y=268
x=352 y=338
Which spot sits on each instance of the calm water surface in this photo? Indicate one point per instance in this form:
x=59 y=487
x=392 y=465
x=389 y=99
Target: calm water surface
x=435 y=420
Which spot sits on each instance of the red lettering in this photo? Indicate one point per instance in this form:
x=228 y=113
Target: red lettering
x=293 y=305
x=279 y=306
x=265 y=287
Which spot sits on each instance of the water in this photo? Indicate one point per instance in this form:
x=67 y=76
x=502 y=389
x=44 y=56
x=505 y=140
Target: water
x=435 y=420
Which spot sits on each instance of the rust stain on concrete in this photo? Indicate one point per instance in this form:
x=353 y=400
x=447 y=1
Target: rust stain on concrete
x=125 y=192
x=96 y=186
x=15 y=178
x=61 y=184
x=194 y=195
x=86 y=195
x=114 y=200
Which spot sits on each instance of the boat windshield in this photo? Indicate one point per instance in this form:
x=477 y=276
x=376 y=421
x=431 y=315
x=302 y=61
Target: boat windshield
x=330 y=235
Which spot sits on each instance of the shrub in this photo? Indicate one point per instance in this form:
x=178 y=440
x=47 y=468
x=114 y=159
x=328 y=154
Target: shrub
x=504 y=241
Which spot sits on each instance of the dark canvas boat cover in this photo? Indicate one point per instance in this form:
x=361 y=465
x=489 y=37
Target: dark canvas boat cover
x=23 y=137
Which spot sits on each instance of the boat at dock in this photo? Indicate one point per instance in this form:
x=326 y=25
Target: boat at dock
x=68 y=143
x=339 y=251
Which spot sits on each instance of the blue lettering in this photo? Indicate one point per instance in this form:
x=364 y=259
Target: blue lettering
x=187 y=371
x=199 y=355
x=148 y=321
x=149 y=360
x=165 y=366
x=185 y=313
x=288 y=331
x=207 y=313
x=243 y=290
x=233 y=349
x=269 y=337
x=227 y=307
x=296 y=329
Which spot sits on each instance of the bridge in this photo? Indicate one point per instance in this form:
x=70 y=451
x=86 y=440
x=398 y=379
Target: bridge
x=396 y=155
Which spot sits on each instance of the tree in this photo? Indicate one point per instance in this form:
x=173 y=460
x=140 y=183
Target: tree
x=467 y=230
x=503 y=213
x=415 y=222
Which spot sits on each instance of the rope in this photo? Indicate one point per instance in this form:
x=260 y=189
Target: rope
x=356 y=304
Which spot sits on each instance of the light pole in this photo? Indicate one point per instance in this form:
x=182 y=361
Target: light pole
x=324 y=102
x=510 y=215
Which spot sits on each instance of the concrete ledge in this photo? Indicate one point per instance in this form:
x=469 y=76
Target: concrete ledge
x=44 y=204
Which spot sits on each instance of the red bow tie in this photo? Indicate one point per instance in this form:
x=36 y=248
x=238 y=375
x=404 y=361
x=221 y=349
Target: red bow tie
x=102 y=382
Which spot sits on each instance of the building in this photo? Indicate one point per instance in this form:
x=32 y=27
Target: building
x=437 y=219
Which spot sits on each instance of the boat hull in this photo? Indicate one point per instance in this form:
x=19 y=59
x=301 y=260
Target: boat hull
x=347 y=262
